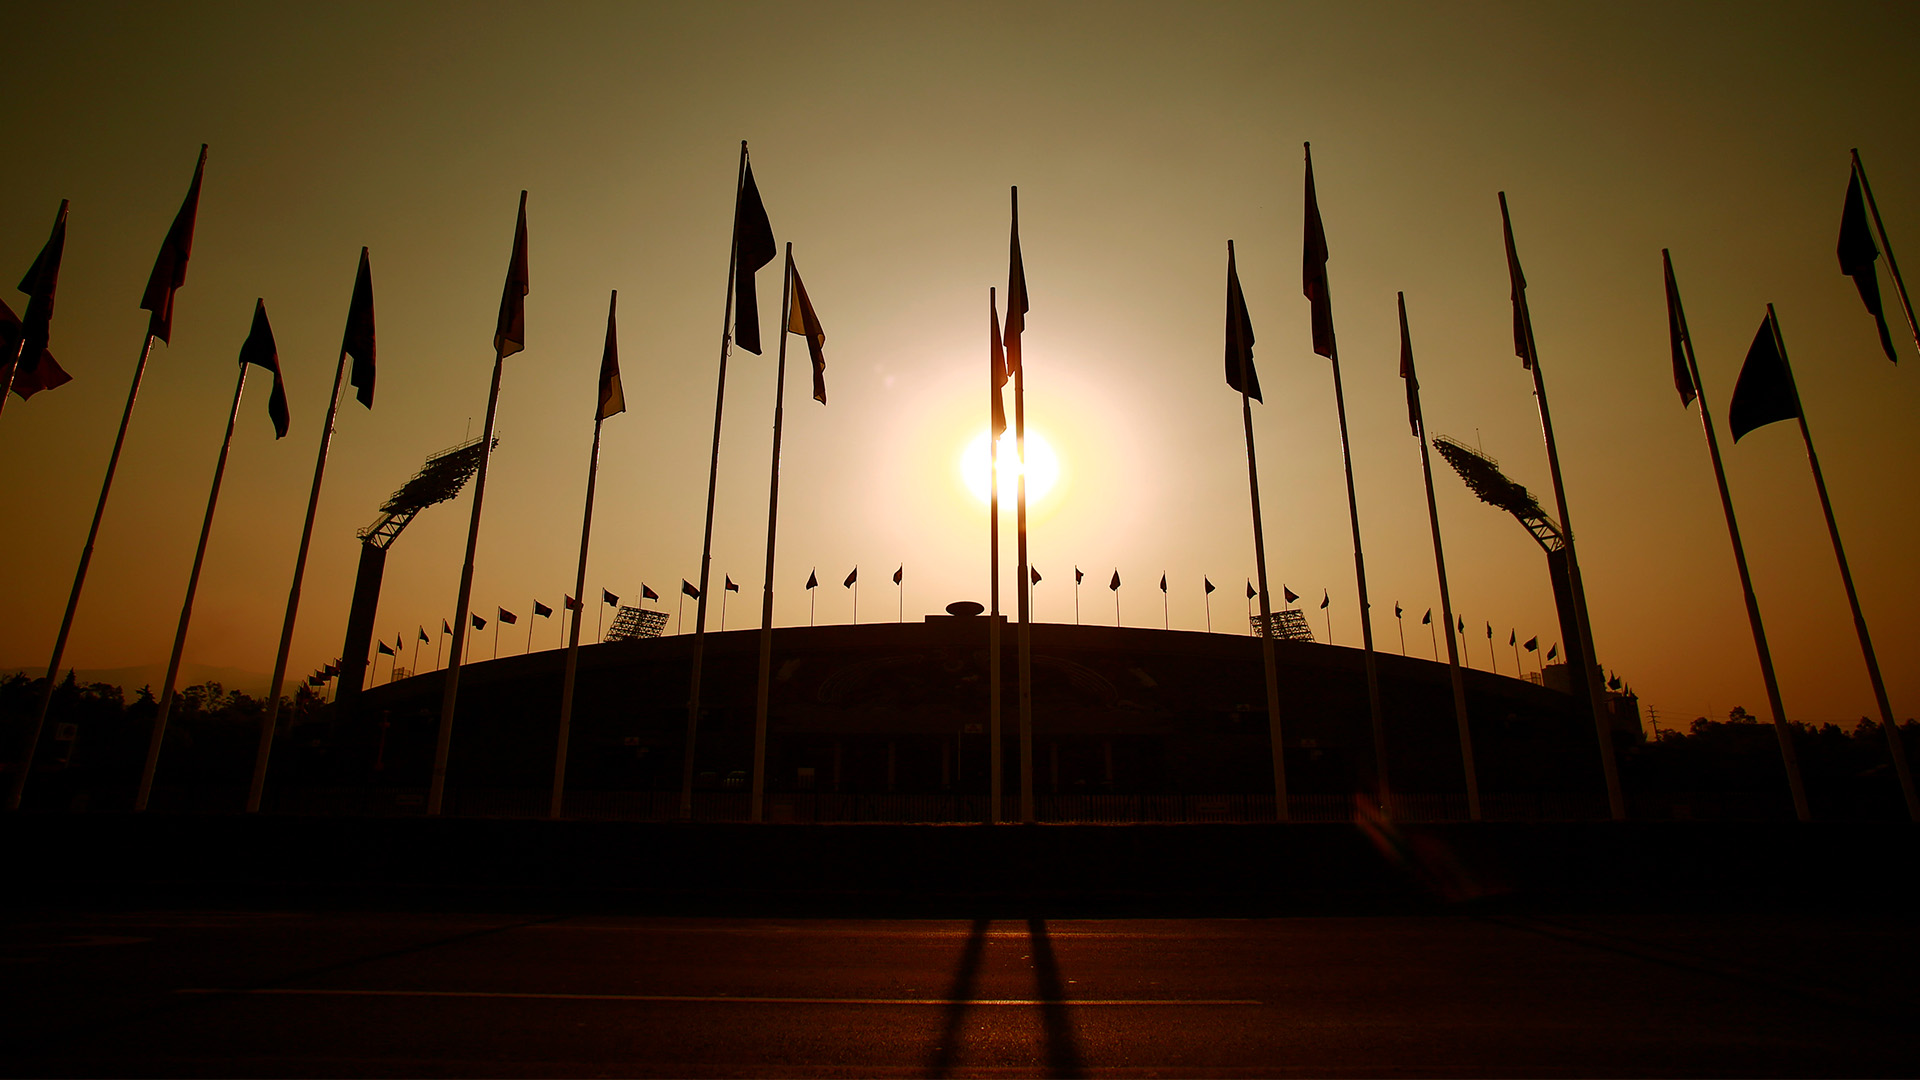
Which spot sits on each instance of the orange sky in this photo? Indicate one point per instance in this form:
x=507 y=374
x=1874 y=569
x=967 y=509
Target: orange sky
x=884 y=139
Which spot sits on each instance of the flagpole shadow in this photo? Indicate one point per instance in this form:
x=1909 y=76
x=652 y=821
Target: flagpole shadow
x=959 y=997
x=1063 y=1050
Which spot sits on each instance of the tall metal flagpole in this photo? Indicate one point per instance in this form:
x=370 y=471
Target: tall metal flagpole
x=1616 y=800
x=1780 y=728
x=1887 y=246
x=713 y=481
x=450 y=684
x=1440 y=566
x=995 y=660
x=1895 y=744
x=19 y=787
x=186 y=606
x=579 y=589
x=1281 y=811
x=764 y=686
x=1017 y=361
x=268 y=722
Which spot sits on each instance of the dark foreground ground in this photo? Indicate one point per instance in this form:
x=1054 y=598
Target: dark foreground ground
x=225 y=946
x=284 y=993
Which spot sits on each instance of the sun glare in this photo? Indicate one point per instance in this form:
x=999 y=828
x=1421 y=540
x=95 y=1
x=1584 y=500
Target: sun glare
x=1043 y=467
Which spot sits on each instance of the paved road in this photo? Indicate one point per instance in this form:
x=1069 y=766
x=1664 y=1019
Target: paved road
x=356 y=994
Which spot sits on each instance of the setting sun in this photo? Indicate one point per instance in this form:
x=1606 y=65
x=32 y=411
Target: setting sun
x=975 y=465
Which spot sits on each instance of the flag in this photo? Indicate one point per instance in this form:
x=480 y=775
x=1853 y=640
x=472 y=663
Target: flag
x=42 y=280
x=1513 y=637
x=1613 y=683
x=507 y=617
x=170 y=266
x=1764 y=392
x=1857 y=255
x=260 y=350
x=1427 y=619
x=478 y=622
x=31 y=378
x=730 y=586
x=813 y=579
x=1462 y=628
x=1677 y=336
x=687 y=588
x=1250 y=593
x=510 y=334
x=612 y=399
x=852 y=576
x=997 y=365
x=1325 y=599
x=358 y=340
x=1522 y=318
x=1290 y=595
x=1406 y=372
x=1078 y=577
x=1017 y=306
x=804 y=322
x=1313 y=269
x=444 y=628
x=900 y=574
x=646 y=593
x=333 y=670
x=1239 y=335
x=541 y=610
x=1163 y=583
x=423 y=635
x=385 y=649
x=1554 y=651
x=1208 y=583
x=1115 y=583
x=569 y=602
x=753 y=248
x=611 y=600
x=1489 y=631
x=1396 y=609
x=316 y=680
x=1532 y=644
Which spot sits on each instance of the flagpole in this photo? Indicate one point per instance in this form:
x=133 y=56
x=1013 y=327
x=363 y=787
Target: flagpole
x=1446 y=598
x=416 y=656
x=1886 y=246
x=1616 y=800
x=1280 y=808
x=713 y=480
x=763 y=686
x=1785 y=734
x=450 y=685
x=579 y=589
x=1895 y=744
x=257 y=786
x=1207 y=598
x=1025 y=636
x=186 y=607
x=995 y=658
x=79 y=581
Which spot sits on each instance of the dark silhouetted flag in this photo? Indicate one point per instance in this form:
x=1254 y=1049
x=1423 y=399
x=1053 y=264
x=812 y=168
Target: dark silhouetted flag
x=1532 y=644
x=508 y=617
x=1250 y=593
x=1513 y=637
x=510 y=334
x=730 y=586
x=1289 y=594
x=1427 y=619
x=1163 y=583
x=478 y=622
x=687 y=588
x=358 y=340
x=900 y=574
x=40 y=284
x=423 y=635
x=1396 y=609
x=1489 y=631
x=1239 y=335
x=997 y=364
x=1017 y=305
x=316 y=680
x=385 y=649
x=1613 y=682
x=1522 y=318
x=1677 y=336
x=753 y=249
x=1325 y=599
x=1765 y=391
x=1554 y=651
x=804 y=322
x=1407 y=374
x=170 y=267
x=1462 y=628
x=1207 y=584
x=1313 y=269
x=1857 y=255
x=31 y=378
x=541 y=610
x=1078 y=577
x=333 y=670
x=813 y=579
x=852 y=576
x=646 y=593
x=444 y=628
x=1115 y=583
x=612 y=398
x=569 y=602
x=611 y=600
x=259 y=350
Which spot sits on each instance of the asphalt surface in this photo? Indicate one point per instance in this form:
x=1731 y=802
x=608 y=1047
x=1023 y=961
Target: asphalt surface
x=210 y=993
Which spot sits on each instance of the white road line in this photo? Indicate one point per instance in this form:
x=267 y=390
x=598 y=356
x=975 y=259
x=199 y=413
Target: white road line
x=707 y=999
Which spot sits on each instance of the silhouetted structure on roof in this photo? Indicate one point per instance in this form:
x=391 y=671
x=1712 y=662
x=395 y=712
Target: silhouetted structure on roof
x=1288 y=625
x=630 y=623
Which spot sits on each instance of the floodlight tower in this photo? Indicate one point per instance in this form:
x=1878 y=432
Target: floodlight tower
x=1483 y=477
x=439 y=480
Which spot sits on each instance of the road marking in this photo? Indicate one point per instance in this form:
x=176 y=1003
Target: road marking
x=711 y=999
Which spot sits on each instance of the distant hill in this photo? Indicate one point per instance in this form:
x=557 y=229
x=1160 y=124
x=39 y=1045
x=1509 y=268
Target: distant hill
x=131 y=679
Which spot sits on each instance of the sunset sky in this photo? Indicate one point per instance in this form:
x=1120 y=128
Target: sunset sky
x=884 y=140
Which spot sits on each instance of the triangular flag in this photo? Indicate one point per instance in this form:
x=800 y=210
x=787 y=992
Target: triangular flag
x=997 y=367
x=1553 y=652
x=508 y=617
x=1239 y=335
x=510 y=333
x=36 y=326
x=1677 y=336
x=569 y=602
x=1017 y=305
x=852 y=576
x=170 y=266
x=1462 y=628
x=1396 y=609
x=1207 y=583
x=1250 y=593
x=1289 y=594
x=1163 y=583
x=1857 y=255
x=901 y=573
x=444 y=628
x=1325 y=599
x=423 y=635
x=1765 y=392
x=611 y=600
x=478 y=622
x=729 y=586
x=805 y=323
x=260 y=351
x=31 y=378
x=1407 y=374
x=358 y=340
x=541 y=610
x=1313 y=273
x=753 y=248
x=687 y=588
x=1489 y=631
x=1513 y=637
x=385 y=649
x=1034 y=573
x=1532 y=644
x=1078 y=577
x=1115 y=583
x=1427 y=619
x=612 y=399
x=813 y=579
x=1522 y=318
